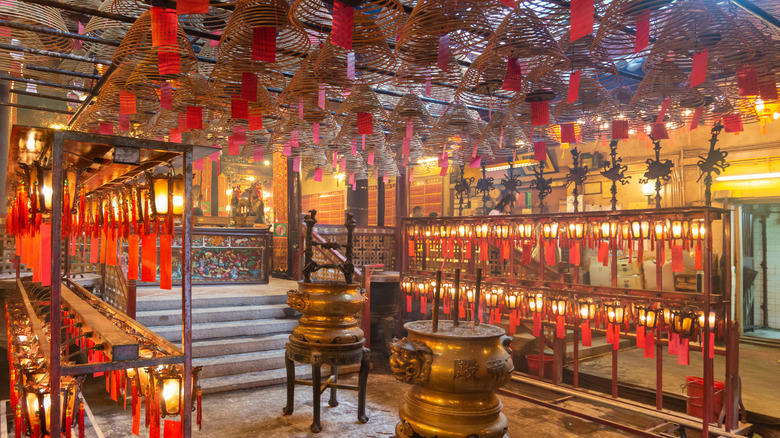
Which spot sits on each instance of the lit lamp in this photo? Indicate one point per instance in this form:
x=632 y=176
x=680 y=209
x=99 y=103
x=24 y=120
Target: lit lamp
x=512 y=300
x=493 y=297
x=170 y=403
x=683 y=324
x=535 y=304
x=697 y=230
x=660 y=230
x=676 y=229
x=44 y=187
x=615 y=313
x=550 y=230
x=577 y=230
x=651 y=318
x=712 y=319
x=178 y=195
x=559 y=306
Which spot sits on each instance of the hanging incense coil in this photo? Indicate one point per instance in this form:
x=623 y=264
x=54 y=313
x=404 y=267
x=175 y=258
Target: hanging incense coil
x=362 y=100
x=455 y=128
x=374 y=20
x=593 y=102
x=20 y=64
x=101 y=27
x=591 y=60
x=235 y=46
x=264 y=106
x=428 y=80
x=483 y=82
x=744 y=45
x=303 y=89
x=524 y=36
x=214 y=21
x=374 y=63
x=505 y=134
x=466 y=25
x=39 y=16
x=621 y=15
x=556 y=16
x=408 y=108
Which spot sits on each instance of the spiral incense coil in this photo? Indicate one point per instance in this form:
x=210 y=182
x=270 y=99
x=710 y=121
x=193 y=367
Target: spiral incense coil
x=41 y=16
x=455 y=128
x=292 y=128
x=215 y=20
x=101 y=27
x=265 y=106
x=524 y=36
x=665 y=81
x=467 y=25
x=16 y=63
x=593 y=102
x=412 y=77
x=374 y=20
x=409 y=107
x=374 y=63
x=483 y=82
x=756 y=50
x=505 y=134
x=362 y=100
x=304 y=89
x=621 y=15
x=591 y=60
x=557 y=15
x=235 y=46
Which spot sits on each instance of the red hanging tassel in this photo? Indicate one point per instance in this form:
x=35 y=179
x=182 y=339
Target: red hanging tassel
x=199 y=415
x=649 y=344
x=586 y=337
x=537 y=327
x=81 y=418
x=560 y=327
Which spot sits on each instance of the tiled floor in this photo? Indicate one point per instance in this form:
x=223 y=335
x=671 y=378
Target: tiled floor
x=764 y=333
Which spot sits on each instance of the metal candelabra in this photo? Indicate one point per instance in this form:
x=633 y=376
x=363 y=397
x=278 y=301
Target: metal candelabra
x=615 y=172
x=462 y=191
x=484 y=186
x=657 y=170
x=541 y=184
x=577 y=174
x=714 y=162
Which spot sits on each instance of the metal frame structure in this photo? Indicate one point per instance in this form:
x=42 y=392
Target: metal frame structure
x=705 y=299
x=60 y=142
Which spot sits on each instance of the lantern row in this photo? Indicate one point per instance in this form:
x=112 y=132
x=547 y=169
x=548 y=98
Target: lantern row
x=682 y=323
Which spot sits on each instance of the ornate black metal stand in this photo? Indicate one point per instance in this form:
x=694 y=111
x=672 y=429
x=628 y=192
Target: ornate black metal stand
x=714 y=162
x=541 y=184
x=615 y=172
x=577 y=174
x=512 y=182
x=484 y=186
x=327 y=333
x=657 y=170
x=462 y=191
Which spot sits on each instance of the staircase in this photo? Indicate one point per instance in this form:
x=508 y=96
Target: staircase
x=238 y=340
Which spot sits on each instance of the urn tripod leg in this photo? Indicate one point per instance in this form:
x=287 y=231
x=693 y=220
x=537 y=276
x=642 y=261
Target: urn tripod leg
x=316 y=382
x=333 y=402
x=290 y=365
x=362 y=383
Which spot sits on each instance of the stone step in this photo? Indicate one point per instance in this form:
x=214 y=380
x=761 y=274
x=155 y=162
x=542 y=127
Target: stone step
x=216 y=314
x=256 y=379
x=240 y=363
x=238 y=345
x=215 y=330
x=174 y=302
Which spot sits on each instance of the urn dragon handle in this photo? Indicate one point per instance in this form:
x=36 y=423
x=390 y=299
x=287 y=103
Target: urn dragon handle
x=410 y=361
x=506 y=342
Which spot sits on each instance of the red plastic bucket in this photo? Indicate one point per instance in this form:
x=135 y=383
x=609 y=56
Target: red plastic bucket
x=695 y=397
x=533 y=365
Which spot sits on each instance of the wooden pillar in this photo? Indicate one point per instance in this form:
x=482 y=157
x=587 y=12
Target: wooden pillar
x=294 y=222
x=380 y=202
x=357 y=201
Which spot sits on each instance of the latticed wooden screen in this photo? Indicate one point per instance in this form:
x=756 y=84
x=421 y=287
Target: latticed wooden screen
x=372 y=246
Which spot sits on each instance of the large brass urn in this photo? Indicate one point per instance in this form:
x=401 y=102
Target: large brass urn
x=454 y=372
x=328 y=320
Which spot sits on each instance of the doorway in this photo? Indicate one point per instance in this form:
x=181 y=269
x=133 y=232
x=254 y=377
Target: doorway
x=760 y=238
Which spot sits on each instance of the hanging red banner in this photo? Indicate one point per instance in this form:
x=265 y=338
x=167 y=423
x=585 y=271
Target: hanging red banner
x=149 y=258
x=649 y=344
x=677 y=258
x=696 y=118
x=194 y=117
x=568 y=134
x=249 y=86
x=733 y=123
x=540 y=151
x=184 y=7
x=168 y=62
x=560 y=326
x=45 y=254
x=586 y=337
x=658 y=131
x=111 y=250
x=166 y=96
x=574 y=90
x=642 y=31
x=365 y=123
x=443 y=56
x=132 y=257
x=619 y=129
x=513 y=76
x=581 y=18
x=264 y=44
x=747 y=81
x=239 y=108
x=126 y=103
x=165 y=261
x=172 y=429
x=343 y=19
x=699 y=69
x=164 y=26
x=540 y=113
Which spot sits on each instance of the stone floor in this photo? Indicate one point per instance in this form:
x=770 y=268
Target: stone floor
x=768 y=333
x=258 y=413
x=275 y=286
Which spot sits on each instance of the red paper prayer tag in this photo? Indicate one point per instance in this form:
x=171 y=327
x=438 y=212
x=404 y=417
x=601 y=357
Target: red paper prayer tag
x=567 y=133
x=658 y=131
x=343 y=19
x=677 y=258
x=696 y=118
x=264 y=44
x=175 y=136
x=249 y=86
x=767 y=88
x=732 y=123
x=168 y=63
x=172 y=429
x=540 y=151
x=747 y=81
x=164 y=26
x=642 y=31
x=126 y=103
x=513 y=76
x=184 y=7
x=166 y=96
x=239 y=108
x=149 y=258
x=662 y=112
x=124 y=122
x=581 y=18
x=106 y=128
x=365 y=124
x=574 y=88
x=540 y=113
x=165 y=262
x=194 y=117
x=255 y=122
x=443 y=57
x=699 y=70
x=619 y=129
